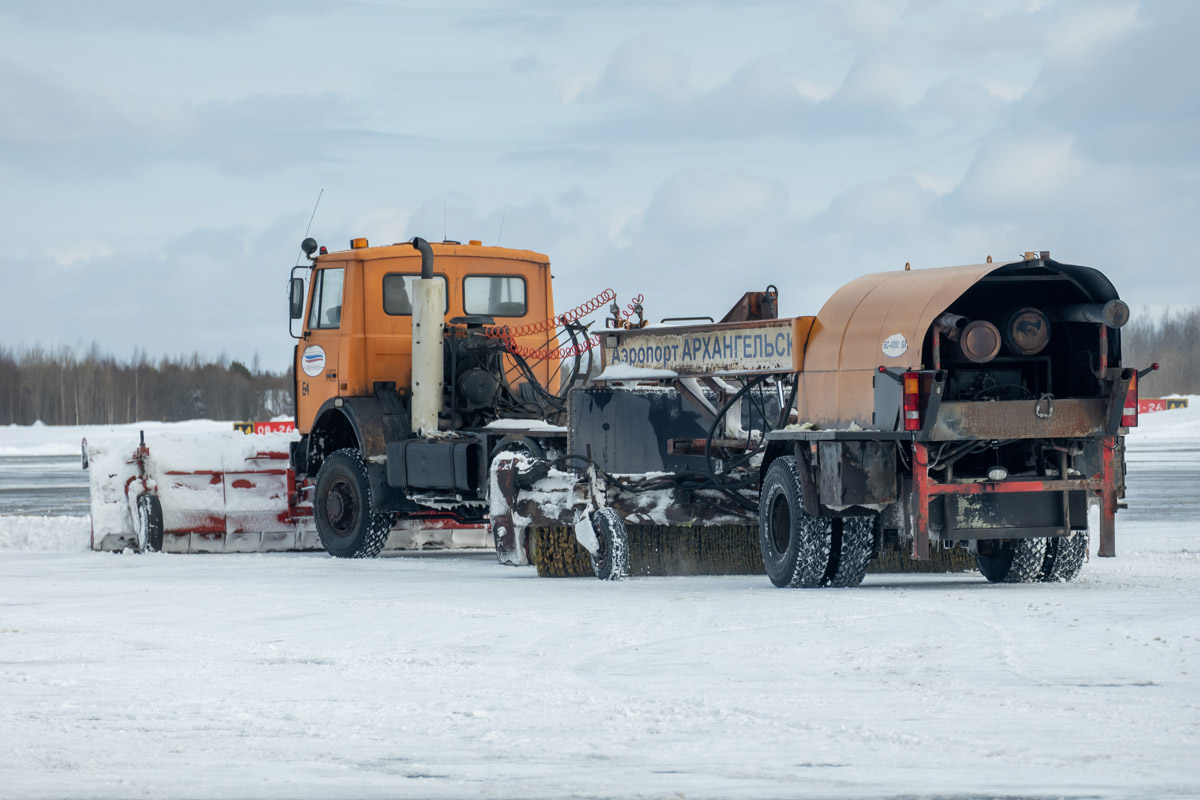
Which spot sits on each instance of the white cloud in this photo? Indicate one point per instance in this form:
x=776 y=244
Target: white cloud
x=1084 y=30
x=641 y=67
x=866 y=20
x=1043 y=174
x=651 y=147
x=875 y=81
x=75 y=252
x=705 y=202
x=931 y=182
x=813 y=91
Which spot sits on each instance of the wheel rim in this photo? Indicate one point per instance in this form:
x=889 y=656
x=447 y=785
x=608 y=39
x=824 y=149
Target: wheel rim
x=781 y=524
x=601 y=544
x=342 y=508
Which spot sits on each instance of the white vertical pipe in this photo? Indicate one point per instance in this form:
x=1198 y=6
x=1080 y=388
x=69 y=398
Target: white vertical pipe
x=428 y=321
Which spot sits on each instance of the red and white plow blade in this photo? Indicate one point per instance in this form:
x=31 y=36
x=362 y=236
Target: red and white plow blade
x=224 y=493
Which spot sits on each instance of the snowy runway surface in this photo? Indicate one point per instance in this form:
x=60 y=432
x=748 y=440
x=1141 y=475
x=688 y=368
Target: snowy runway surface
x=447 y=675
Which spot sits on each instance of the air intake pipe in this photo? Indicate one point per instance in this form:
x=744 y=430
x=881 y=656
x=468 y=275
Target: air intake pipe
x=428 y=327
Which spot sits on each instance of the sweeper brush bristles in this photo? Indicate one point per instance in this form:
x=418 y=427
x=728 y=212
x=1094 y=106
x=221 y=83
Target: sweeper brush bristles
x=956 y=559
x=707 y=550
x=557 y=554
x=657 y=550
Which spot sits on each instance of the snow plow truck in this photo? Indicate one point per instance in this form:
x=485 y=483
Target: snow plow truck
x=937 y=416
x=415 y=364
x=976 y=410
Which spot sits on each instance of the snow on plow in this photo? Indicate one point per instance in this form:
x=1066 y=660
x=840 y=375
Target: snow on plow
x=222 y=493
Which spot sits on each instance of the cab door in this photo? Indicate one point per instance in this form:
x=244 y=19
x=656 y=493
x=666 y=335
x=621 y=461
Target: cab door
x=317 y=355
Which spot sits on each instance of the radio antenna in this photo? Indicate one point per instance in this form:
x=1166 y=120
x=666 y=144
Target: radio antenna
x=445 y=236
x=310 y=221
x=314 y=214
x=501 y=236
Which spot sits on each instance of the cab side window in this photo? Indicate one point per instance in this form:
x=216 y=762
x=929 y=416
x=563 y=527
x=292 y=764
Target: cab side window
x=494 y=295
x=327 y=299
x=398 y=293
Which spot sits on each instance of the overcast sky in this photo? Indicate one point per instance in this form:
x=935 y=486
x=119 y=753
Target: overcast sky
x=160 y=159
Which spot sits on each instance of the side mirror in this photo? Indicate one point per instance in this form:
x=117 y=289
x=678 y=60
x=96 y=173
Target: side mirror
x=297 y=298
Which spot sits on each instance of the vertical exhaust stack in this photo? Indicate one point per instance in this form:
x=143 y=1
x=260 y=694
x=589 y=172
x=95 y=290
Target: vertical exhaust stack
x=428 y=321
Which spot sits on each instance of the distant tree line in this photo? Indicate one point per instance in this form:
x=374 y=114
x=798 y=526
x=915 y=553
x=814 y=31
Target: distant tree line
x=69 y=387
x=1173 y=340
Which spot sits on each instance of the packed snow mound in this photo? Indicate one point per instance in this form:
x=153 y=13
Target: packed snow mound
x=1175 y=422
x=45 y=534
x=64 y=440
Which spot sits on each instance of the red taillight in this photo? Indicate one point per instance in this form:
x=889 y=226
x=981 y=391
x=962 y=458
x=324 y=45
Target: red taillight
x=912 y=401
x=1129 y=414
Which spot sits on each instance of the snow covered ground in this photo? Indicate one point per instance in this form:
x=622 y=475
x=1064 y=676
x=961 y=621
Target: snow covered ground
x=446 y=675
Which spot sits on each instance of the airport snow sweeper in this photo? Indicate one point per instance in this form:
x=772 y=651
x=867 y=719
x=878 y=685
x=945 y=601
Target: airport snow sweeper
x=974 y=411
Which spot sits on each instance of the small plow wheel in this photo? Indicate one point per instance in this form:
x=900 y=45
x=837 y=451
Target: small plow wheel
x=149 y=523
x=611 y=559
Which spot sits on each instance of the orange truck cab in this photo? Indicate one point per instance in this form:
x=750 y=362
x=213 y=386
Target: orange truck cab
x=356 y=386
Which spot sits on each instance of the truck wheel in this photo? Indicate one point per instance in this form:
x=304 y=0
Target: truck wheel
x=610 y=562
x=795 y=546
x=853 y=551
x=1064 y=557
x=342 y=508
x=150 y=523
x=1015 y=561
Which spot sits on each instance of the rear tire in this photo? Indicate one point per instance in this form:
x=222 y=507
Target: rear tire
x=854 y=551
x=795 y=546
x=1014 y=561
x=150 y=523
x=1064 y=557
x=610 y=562
x=342 y=508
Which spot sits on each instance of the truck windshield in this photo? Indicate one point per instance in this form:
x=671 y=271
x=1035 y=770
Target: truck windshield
x=327 y=299
x=494 y=295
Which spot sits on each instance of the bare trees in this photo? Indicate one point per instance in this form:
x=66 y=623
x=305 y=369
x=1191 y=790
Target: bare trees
x=1172 y=341
x=78 y=387
x=70 y=387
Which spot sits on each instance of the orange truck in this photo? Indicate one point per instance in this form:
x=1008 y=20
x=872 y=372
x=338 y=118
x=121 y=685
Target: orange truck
x=416 y=363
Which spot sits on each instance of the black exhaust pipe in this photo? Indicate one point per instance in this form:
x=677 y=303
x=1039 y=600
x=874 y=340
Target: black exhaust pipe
x=426 y=252
x=1114 y=313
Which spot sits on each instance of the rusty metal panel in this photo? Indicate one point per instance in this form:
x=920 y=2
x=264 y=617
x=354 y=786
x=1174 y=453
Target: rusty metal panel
x=1008 y=515
x=876 y=320
x=857 y=472
x=1019 y=419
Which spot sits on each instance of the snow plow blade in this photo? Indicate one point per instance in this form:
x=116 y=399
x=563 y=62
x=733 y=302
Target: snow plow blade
x=223 y=493
x=219 y=493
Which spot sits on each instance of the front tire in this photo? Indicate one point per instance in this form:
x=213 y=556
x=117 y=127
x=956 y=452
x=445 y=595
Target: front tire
x=342 y=508
x=795 y=546
x=1014 y=561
